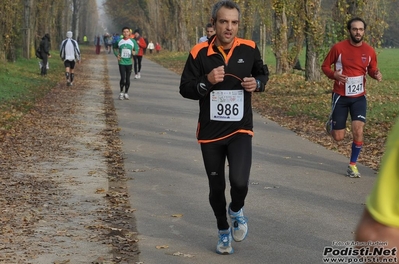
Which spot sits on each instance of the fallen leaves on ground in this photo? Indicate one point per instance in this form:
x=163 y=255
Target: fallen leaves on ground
x=32 y=197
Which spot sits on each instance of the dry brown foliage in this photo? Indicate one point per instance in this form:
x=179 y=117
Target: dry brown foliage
x=47 y=158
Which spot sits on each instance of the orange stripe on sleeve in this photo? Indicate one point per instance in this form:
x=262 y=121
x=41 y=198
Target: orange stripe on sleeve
x=194 y=51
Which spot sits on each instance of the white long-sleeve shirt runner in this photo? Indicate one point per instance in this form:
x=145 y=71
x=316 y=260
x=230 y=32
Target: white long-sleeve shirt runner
x=69 y=50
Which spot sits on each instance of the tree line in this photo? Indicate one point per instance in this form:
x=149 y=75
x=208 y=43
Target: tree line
x=288 y=26
x=24 y=22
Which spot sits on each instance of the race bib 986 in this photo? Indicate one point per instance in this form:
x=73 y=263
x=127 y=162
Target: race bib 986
x=227 y=105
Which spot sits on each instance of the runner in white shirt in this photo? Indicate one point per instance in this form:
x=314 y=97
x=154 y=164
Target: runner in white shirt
x=69 y=53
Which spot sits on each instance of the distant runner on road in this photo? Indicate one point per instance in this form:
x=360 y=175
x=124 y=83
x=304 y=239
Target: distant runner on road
x=124 y=50
x=69 y=53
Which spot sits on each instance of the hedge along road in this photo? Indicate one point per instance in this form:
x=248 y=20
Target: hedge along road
x=299 y=200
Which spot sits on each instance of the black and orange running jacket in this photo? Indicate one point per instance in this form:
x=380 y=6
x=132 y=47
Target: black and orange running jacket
x=242 y=60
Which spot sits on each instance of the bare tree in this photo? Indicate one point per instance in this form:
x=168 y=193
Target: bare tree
x=10 y=23
x=26 y=37
x=314 y=39
x=280 y=37
x=75 y=17
x=88 y=19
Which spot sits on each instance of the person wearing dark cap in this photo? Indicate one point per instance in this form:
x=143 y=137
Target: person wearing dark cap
x=139 y=55
x=45 y=53
x=69 y=53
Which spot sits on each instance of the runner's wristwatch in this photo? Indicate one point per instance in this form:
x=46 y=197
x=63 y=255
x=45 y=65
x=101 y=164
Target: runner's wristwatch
x=257 y=85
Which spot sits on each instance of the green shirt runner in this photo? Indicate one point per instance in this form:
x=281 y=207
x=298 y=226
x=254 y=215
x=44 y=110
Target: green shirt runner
x=125 y=48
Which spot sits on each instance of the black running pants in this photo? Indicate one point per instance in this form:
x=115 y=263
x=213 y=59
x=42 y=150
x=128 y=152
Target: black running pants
x=137 y=63
x=238 y=151
x=125 y=72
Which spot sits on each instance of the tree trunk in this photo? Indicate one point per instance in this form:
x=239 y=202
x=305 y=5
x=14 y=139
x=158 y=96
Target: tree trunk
x=313 y=29
x=75 y=18
x=27 y=29
x=281 y=41
x=312 y=66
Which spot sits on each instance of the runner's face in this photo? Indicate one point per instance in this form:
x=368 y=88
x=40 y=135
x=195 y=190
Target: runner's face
x=357 y=32
x=126 y=33
x=210 y=32
x=226 y=27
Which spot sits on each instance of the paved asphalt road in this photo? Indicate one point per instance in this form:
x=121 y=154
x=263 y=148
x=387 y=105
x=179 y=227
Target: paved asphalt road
x=299 y=200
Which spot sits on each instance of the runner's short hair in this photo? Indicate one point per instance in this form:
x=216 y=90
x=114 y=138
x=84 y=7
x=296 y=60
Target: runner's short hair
x=225 y=3
x=349 y=24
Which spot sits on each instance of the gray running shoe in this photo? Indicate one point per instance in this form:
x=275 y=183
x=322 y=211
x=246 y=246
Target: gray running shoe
x=239 y=225
x=224 y=244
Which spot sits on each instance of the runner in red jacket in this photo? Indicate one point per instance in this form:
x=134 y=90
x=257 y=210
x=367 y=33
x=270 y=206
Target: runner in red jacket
x=139 y=56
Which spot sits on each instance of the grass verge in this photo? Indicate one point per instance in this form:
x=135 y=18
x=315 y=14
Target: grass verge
x=22 y=85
